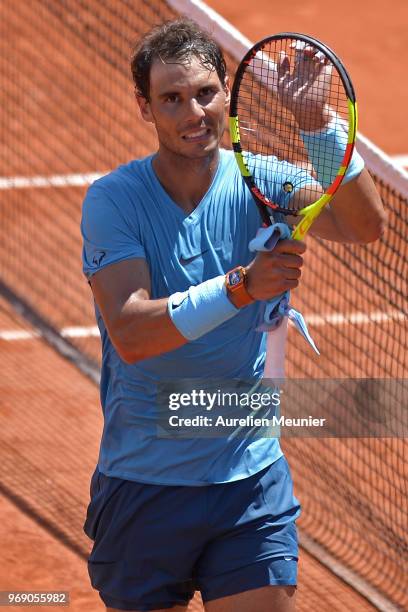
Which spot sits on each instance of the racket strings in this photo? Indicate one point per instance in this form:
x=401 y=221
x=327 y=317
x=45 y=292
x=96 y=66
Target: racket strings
x=277 y=89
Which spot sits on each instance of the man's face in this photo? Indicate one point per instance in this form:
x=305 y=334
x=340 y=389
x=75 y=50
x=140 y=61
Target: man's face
x=187 y=106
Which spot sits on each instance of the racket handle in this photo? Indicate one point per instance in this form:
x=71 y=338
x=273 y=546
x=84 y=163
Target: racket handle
x=275 y=352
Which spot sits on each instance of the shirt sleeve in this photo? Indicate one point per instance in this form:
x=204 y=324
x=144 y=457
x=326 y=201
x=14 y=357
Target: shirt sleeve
x=278 y=179
x=107 y=235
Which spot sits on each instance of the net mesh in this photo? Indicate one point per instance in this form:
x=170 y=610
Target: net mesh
x=68 y=110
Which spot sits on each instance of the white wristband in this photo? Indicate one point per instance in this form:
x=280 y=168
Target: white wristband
x=201 y=308
x=326 y=150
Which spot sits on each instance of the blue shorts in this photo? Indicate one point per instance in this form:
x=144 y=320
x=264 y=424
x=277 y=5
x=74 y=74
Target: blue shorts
x=155 y=545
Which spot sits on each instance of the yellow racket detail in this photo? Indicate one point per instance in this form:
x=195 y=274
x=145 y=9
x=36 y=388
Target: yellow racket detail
x=311 y=212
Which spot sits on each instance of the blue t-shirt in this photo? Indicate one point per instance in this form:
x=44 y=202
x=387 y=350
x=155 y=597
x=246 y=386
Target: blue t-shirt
x=128 y=214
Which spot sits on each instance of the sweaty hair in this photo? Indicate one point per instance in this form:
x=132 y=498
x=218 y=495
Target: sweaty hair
x=176 y=41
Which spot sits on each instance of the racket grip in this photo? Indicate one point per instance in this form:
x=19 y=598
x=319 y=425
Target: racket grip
x=275 y=351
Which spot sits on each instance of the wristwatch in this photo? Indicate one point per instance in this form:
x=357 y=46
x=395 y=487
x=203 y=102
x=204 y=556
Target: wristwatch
x=235 y=283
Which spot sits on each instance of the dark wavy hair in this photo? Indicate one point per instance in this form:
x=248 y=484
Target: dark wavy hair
x=177 y=40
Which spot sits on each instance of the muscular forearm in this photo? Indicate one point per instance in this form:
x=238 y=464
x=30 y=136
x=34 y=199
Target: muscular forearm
x=144 y=329
x=163 y=325
x=140 y=327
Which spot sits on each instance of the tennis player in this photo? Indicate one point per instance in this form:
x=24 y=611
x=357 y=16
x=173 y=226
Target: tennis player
x=171 y=514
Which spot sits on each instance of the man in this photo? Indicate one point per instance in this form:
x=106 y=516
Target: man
x=170 y=515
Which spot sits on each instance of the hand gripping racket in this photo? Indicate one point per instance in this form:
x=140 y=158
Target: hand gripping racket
x=290 y=93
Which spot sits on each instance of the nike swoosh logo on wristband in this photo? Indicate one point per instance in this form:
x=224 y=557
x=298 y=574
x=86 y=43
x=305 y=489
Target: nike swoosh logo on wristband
x=176 y=305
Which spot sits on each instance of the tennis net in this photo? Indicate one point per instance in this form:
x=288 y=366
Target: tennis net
x=69 y=116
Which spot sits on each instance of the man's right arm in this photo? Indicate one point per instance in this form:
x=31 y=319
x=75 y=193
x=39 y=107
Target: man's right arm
x=140 y=327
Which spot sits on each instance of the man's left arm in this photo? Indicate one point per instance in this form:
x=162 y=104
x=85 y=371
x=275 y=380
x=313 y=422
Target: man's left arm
x=356 y=213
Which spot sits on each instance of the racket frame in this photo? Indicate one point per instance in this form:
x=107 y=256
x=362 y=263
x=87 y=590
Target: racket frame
x=312 y=211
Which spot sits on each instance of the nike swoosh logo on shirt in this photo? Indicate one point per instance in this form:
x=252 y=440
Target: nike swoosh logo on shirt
x=186 y=260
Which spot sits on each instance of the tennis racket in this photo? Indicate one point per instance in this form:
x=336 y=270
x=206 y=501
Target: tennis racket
x=281 y=87
x=293 y=125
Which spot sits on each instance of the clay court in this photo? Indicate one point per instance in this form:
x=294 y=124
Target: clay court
x=68 y=111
